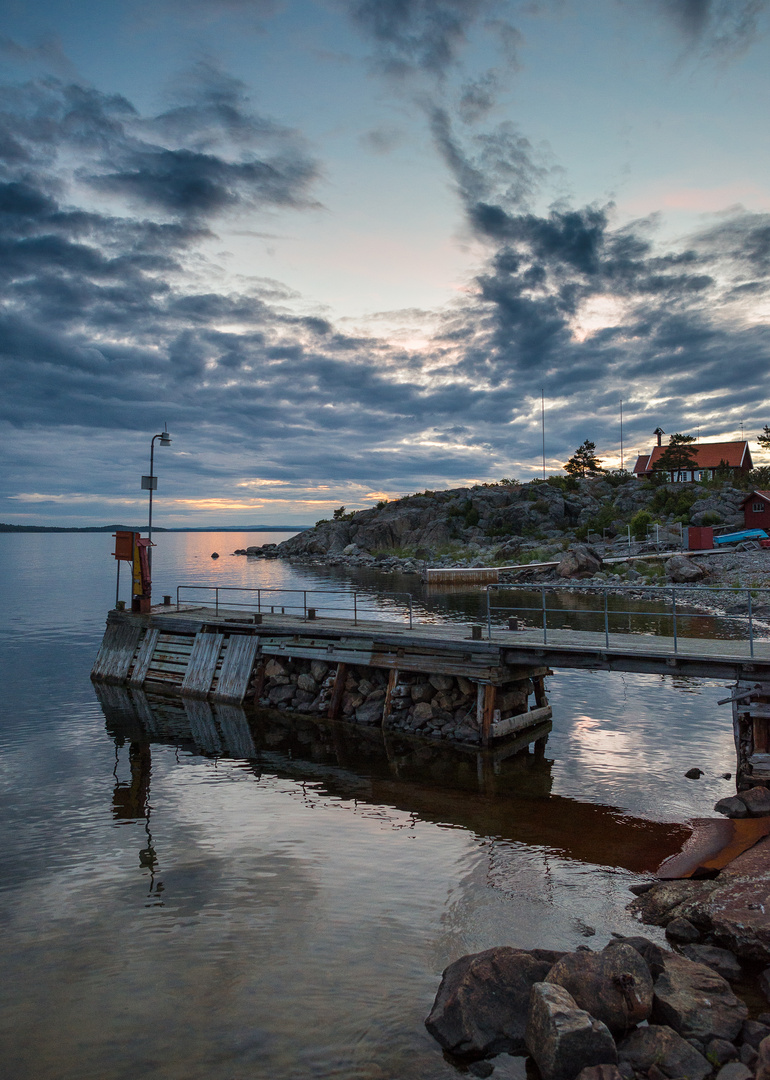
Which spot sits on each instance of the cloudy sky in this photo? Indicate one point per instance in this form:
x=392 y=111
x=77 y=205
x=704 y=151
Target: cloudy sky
x=341 y=246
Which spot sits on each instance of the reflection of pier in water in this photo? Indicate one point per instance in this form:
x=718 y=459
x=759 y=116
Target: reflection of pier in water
x=503 y=794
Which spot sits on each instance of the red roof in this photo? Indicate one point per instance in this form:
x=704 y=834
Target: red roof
x=753 y=494
x=707 y=456
x=641 y=463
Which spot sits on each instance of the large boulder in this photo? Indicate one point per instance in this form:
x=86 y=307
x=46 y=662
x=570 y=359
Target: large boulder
x=681 y=569
x=615 y=985
x=721 y=960
x=579 y=562
x=660 y=1045
x=695 y=1001
x=563 y=1038
x=482 y=1002
x=757 y=801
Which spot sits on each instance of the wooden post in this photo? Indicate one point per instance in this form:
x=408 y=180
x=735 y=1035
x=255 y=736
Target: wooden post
x=392 y=681
x=337 y=691
x=259 y=681
x=490 y=694
x=538 y=681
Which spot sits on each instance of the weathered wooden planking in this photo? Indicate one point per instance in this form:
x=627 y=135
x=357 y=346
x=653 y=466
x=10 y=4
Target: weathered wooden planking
x=237 y=665
x=236 y=734
x=341 y=651
x=367 y=653
x=117 y=652
x=202 y=726
x=143 y=658
x=520 y=722
x=202 y=665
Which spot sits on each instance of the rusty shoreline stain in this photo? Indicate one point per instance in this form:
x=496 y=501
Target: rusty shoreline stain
x=712 y=845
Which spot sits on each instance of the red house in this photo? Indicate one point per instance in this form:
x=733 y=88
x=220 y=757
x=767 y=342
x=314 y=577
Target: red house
x=756 y=510
x=709 y=457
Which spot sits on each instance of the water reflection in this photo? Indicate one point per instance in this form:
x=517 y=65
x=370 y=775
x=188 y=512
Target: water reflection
x=503 y=794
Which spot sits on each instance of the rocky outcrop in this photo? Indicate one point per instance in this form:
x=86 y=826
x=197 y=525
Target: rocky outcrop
x=651 y=1012
x=498 y=520
x=732 y=908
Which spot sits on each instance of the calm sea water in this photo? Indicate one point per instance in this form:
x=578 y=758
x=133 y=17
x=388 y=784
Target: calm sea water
x=172 y=908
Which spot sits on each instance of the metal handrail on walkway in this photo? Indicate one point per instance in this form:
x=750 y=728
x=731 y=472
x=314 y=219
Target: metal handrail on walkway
x=262 y=607
x=661 y=592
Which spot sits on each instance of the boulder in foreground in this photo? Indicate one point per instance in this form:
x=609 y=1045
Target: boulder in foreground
x=614 y=986
x=482 y=1002
x=660 y=1045
x=563 y=1038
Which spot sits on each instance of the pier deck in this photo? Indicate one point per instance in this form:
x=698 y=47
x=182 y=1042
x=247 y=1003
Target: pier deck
x=651 y=653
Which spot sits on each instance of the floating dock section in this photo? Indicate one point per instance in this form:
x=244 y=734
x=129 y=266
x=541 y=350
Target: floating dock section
x=434 y=681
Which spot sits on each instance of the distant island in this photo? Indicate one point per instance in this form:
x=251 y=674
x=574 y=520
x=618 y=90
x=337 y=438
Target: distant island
x=5 y=528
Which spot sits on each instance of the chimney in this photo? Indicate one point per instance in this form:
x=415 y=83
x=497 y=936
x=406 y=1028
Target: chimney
x=659 y=431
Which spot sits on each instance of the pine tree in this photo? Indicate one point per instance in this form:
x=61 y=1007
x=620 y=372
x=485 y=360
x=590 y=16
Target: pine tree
x=679 y=456
x=764 y=438
x=584 y=461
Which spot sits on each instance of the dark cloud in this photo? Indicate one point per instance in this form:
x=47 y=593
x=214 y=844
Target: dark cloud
x=417 y=34
x=477 y=97
x=719 y=26
x=217 y=154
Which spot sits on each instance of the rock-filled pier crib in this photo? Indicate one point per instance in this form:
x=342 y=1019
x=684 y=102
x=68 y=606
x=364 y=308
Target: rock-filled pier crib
x=438 y=681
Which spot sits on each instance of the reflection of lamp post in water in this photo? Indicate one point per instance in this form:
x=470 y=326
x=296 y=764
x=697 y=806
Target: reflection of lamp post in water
x=150 y=483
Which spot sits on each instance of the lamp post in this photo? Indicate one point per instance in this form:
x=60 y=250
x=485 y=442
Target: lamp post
x=150 y=483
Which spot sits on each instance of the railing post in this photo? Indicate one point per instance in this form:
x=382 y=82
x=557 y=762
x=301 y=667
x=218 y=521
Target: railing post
x=216 y=600
x=177 y=596
x=409 y=595
x=355 y=609
x=606 y=621
x=259 y=599
x=489 y=613
x=545 y=616
x=673 y=610
x=751 y=625
x=304 y=603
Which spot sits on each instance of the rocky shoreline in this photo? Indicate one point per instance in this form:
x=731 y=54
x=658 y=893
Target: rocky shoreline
x=633 y=1011
x=511 y=525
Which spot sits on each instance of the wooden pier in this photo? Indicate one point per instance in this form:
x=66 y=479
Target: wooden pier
x=440 y=681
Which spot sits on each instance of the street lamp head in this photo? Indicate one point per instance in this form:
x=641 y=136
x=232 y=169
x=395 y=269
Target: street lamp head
x=165 y=439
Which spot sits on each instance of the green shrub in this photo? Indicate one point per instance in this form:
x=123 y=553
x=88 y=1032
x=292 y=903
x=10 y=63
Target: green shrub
x=639 y=523
x=711 y=517
x=471 y=517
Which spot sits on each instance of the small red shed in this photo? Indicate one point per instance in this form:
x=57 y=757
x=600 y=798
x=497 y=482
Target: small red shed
x=756 y=510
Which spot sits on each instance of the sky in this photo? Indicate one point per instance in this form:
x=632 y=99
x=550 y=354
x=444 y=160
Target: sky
x=350 y=249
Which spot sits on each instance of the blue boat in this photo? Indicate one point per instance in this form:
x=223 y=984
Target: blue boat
x=744 y=534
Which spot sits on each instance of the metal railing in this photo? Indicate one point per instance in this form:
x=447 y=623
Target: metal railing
x=670 y=593
x=358 y=603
